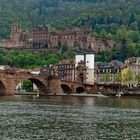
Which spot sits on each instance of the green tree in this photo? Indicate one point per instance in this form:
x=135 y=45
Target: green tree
x=131 y=19
x=138 y=78
x=134 y=26
x=118 y=77
x=106 y=77
x=27 y=85
x=121 y=34
x=134 y=36
x=128 y=76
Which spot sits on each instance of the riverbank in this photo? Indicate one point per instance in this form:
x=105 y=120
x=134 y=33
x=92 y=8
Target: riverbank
x=121 y=94
x=81 y=95
x=36 y=95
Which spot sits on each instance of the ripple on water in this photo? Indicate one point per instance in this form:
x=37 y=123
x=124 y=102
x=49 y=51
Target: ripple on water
x=76 y=119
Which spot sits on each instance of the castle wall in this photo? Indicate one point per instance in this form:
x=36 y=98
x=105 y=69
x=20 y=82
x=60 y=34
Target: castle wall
x=12 y=44
x=54 y=41
x=68 y=39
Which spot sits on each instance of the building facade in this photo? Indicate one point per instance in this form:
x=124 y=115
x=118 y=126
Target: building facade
x=132 y=72
x=109 y=73
x=66 y=70
x=80 y=70
x=16 y=38
x=84 y=70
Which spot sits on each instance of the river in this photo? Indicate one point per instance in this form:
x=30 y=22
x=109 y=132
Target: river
x=69 y=118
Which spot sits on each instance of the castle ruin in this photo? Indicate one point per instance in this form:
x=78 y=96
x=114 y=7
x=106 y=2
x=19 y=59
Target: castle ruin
x=45 y=37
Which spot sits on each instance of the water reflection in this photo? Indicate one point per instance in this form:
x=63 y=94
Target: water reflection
x=69 y=118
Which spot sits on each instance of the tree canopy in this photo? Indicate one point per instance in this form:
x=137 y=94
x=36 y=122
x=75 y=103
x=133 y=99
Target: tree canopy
x=26 y=59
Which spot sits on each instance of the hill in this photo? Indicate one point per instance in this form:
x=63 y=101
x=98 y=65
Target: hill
x=103 y=15
x=110 y=19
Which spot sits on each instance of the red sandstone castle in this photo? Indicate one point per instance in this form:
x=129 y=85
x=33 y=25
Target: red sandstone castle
x=45 y=37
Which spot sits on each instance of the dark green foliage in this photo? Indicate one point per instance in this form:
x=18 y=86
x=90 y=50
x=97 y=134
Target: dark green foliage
x=27 y=85
x=132 y=19
x=102 y=15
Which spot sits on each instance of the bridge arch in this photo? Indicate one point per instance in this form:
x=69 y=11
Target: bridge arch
x=39 y=84
x=66 y=89
x=2 y=88
x=80 y=90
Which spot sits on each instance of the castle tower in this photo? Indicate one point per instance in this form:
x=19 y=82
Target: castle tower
x=15 y=32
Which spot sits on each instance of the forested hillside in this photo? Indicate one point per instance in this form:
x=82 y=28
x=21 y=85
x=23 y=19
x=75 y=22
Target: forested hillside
x=105 y=16
x=110 y=19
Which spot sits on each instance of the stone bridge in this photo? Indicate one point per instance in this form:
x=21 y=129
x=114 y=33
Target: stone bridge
x=77 y=87
x=10 y=79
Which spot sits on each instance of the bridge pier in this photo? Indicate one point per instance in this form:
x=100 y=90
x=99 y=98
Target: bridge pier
x=73 y=89
x=54 y=85
x=9 y=86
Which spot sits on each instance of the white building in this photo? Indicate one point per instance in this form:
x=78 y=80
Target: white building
x=89 y=62
x=79 y=57
x=35 y=71
x=90 y=68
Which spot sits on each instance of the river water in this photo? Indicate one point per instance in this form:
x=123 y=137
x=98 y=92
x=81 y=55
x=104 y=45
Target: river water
x=69 y=118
